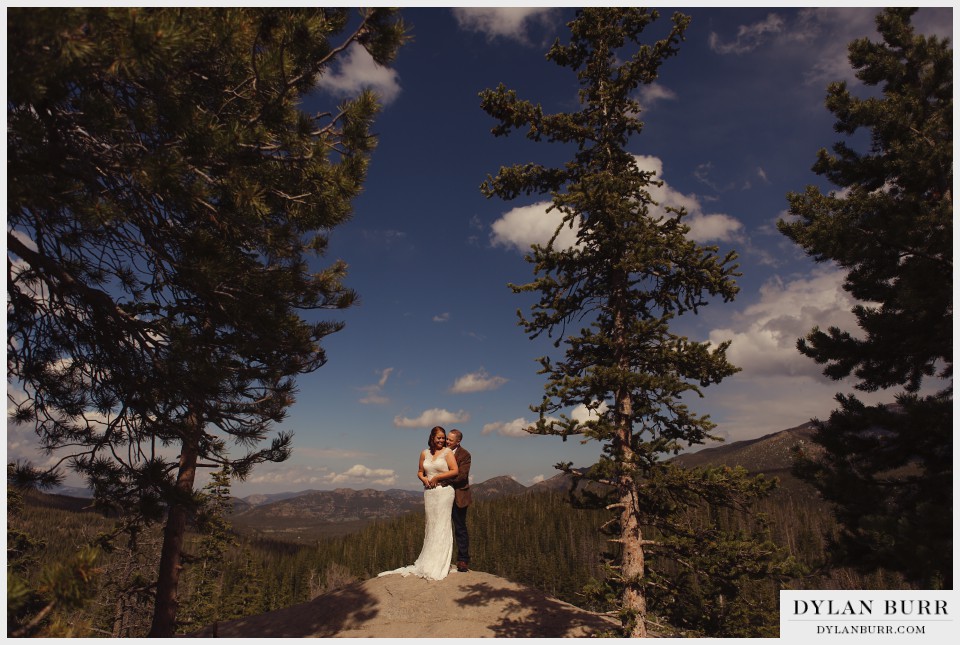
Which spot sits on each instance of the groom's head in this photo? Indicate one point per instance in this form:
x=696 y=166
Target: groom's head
x=453 y=438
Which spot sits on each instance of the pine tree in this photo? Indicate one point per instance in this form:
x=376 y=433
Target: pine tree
x=34 y=610
x=888 y=468
x=631 y=272
x=202 y=607
x=166 y=194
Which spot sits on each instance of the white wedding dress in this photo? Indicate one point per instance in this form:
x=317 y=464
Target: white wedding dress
x=433 y=563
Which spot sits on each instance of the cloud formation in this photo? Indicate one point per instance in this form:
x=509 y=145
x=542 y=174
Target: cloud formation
x=442 y=318
x=521 y=227
x=374 y=393
x=821 y=35
x=432 y=417
x=583 y=414
x=355 y=71
x=478 y=381
x=518 y=427
x=764 y=335
x=297 y=477
x=360 y=474
x=749 y=37
x=526 y=225
x=649 y=95
x=515 y=428
x=511 y=23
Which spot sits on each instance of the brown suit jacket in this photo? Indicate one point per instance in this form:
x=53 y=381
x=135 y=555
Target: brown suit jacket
x=461 y=483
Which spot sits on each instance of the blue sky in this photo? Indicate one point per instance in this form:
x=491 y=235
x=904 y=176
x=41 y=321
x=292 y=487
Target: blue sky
x=732 y=125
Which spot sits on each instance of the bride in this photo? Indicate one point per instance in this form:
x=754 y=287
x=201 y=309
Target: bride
x=437 y=465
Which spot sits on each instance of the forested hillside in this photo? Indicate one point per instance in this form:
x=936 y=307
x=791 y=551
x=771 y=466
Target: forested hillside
x=536 y=539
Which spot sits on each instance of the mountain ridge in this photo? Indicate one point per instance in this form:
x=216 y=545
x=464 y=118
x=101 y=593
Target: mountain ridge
x=336 y=512
x=770 y=454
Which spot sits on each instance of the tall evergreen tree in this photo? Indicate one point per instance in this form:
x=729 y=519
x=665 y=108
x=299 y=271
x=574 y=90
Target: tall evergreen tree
x=166 y=193
x=888 y=469
x=631 y=272
x=204 y=604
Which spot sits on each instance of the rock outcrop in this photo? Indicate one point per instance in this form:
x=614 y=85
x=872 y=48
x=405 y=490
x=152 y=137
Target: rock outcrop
x=463 y=605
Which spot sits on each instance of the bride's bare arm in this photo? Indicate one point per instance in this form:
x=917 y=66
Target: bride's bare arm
x=421 y=474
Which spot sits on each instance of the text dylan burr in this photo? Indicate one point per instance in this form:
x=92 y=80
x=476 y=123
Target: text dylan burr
x=870 y=608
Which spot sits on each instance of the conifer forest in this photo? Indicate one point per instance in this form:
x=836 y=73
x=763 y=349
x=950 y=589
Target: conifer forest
x=228 y=227
x=232 y=575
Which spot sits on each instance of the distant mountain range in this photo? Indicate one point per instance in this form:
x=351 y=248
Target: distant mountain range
x=342 y=510
x=309 y=511
x=770 y=454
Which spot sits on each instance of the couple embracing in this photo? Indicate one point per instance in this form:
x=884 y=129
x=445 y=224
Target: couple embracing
x=444 y=471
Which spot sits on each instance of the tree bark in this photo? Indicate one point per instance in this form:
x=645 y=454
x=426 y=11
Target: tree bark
x=631 y=533
x=632 y=567
x=171 y=554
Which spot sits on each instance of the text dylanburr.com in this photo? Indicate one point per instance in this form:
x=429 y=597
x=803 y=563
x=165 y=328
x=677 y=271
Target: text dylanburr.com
x=894 y=616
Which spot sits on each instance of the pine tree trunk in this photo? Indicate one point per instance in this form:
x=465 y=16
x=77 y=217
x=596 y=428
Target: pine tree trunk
x=631 y=533
x=632 y=566
x=165 y=609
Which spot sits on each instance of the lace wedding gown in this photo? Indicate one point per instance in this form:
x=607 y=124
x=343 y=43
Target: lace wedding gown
x=433 y=563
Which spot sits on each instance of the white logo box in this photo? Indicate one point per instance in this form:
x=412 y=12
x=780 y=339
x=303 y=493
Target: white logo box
x=880 y=615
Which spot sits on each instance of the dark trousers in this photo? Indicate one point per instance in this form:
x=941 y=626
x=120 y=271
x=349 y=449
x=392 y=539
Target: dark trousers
x=460 y=532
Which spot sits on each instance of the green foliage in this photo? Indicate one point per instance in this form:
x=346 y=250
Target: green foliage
x=888 y=469
x=631 y=272
x=162 y=176
x=37 y=603
x=889 y=473
x=207 y=562
x=713 y=563
x=539 y=540
x=891 y=225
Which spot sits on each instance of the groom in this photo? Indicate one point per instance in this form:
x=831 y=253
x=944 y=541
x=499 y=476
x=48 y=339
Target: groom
x=461 y=491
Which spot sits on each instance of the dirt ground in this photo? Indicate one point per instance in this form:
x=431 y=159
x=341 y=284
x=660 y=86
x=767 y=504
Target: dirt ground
x=463 y=605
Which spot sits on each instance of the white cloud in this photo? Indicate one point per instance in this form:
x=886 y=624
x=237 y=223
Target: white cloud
x=501 y=22
x=537 y=479
x=374 y=393
x=702 y=173
x=297 y=477
x=713 y=227
x=653 y=93
x=24 y=239
x=780 y=388
x=523 y=226
x=515 y=428
x=432 y=417
x=355 y=71
x=518 y=427
x=821 y=37
x=834 y=30
x=582 y=414
x=749 y=37
x=478 y=381
x=360 y=474
x=23 y=443
x=441 y=318
x=765 y=334
x=704 y=227
x=526 y=225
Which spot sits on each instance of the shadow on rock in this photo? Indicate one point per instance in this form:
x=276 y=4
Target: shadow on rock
x=527 y=613
x=323 y=617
